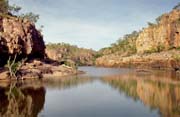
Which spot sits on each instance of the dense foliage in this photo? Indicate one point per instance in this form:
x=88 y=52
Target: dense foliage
x=4 y=6
x=177 y=6
x=125 y=45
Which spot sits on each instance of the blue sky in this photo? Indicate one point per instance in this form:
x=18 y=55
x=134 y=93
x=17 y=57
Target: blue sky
x=93 y=23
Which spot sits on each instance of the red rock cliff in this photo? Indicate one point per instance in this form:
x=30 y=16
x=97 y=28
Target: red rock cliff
x=157 y=46
x=165 y=35
x=19 y=36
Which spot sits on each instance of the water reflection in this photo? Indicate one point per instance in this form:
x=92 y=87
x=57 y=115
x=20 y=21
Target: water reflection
x=27 y=99
x=66 y=82
x=19 y=100
x=92 y=95
x=157 y=90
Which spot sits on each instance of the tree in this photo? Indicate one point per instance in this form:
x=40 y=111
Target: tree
x=14 y=9
x=177 y=6
x=30 y=16
x=4 y=6
x=151 y=24
x=158 y=19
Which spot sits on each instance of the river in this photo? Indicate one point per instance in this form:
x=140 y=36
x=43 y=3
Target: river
x=101 y=92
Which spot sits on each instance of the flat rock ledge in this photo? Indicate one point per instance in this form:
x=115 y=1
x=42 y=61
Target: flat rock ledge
x=37 y=69
x=163 y=60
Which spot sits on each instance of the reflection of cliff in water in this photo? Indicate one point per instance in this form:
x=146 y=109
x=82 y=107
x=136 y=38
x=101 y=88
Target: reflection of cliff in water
x=27 y=99
x=66 y=82
x=161 y=93
x=18 y=101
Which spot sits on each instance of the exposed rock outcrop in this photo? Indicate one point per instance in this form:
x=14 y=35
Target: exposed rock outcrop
x=162 y=60
x=38 y=69
x=20 y=39
x=62 y=51
x=165 y=35
x=19 y=36
x=157 y=47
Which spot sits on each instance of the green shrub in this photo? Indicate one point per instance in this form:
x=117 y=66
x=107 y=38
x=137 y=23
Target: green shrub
x=151 y=24
x=69 y=63
x=152 y=50
x=4 y=6
x=160 y=48
x=126 y=44
x=14 y=66
x=177 y=7
x=98 y=55
x=176 y=57
x=178 y=48
x=158 y=19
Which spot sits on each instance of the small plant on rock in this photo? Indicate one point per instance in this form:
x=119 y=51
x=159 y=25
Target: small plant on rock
x=14 y=67
x=176 y=57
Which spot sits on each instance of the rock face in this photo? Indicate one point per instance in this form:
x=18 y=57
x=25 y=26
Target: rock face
x=19 y=36
x=157 y=46
x=163 y=36
x=162 y=60
x=38 y=69
x=62 y=52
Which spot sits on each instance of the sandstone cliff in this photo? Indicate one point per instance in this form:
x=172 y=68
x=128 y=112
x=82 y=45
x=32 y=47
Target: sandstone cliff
x=19 y=36
x=155 y=47
x=20 y=39
x=62 y=52
x=164 y=36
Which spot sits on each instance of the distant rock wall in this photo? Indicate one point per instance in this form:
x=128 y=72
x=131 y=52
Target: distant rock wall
x=163 y=36
x=19 y=36
x=80 y=56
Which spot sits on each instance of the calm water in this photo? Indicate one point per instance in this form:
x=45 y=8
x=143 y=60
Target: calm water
x=101 y=92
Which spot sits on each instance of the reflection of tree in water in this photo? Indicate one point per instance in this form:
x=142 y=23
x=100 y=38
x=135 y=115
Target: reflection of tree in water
x=164 y=96
x=17 y=101
x=66 y=82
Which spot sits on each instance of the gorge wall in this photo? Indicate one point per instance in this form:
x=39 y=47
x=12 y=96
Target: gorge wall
x=66 y=52
x=19 y=37
x=165 y=35
x=21 y=40
x=156 y=46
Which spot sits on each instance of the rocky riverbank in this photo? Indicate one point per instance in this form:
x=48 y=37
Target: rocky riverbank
x=38 y=69
x=20 y=40
x=162 y=60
